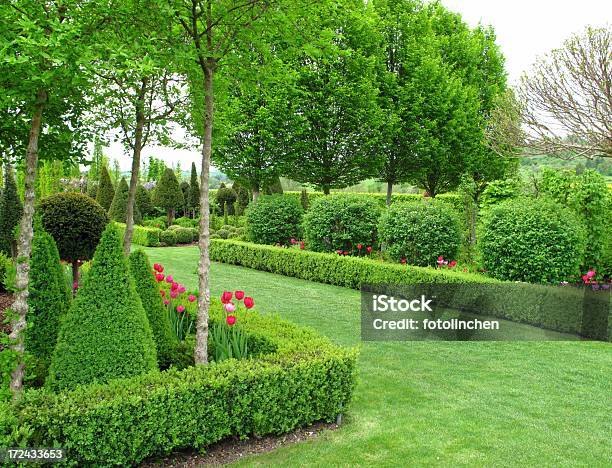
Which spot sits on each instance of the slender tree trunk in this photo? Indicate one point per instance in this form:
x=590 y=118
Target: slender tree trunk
x=201 y=347
x=75 y=272
x=24 y=247
x=255 y=192
x=389 y=192
x=140 y=122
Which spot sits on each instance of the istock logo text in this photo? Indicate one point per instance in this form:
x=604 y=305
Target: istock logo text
x=384 y=303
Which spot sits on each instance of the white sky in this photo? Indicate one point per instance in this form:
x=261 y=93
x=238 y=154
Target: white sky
x=525 y=30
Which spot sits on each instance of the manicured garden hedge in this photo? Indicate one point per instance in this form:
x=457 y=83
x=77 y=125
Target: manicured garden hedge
x=350 y=272
x=306 y=379
x=145 y=236
x=553 y=307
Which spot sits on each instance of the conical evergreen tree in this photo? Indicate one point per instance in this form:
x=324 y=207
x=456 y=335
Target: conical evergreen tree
x=11 y=210
x=168 y=194
x=118 y=208
x=106 y=333
x=106 y=192
x=143 y=201
x=48 y=301
x=154 y=307
x=194 y=192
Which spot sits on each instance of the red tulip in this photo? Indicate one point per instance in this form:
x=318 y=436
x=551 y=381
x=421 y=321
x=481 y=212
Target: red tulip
x=590 y=273
x=166 y=301
x=226 y=297
x=403 y=261
x=181 y=289
x=231 y=320
x=239 y=295
x=302 y=246
x=191 y=298
x=156 y=267
x=359 y=246
x=249 y=302
x=369 y=248
x=452 y=264
x=345 y=252
x=180 y=308
x=174 y=286
x=159 y=277
x=169 y=279
x=339 y=252
x=173 y=294
x=293 y=241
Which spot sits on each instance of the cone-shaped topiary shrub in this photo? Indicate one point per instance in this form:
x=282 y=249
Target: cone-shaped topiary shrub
x=168 y=194
x=154 y=307
x=106 y=191
x=10 y=213
x=143 y=201
x=118 y=208
x=106 y=333
x=48 y=301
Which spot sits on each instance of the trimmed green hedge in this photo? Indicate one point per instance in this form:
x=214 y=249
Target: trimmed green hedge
x=350 y=272
x=307 y=379
x=145 y=236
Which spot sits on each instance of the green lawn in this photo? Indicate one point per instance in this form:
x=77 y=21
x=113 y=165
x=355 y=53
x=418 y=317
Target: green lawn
x=437 y=403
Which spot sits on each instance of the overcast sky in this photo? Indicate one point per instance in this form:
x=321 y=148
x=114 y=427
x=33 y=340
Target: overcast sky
x=525 y=30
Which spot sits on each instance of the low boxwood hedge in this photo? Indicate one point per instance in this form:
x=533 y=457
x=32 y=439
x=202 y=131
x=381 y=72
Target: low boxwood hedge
x=145 y=236
x=553 y=307
x=306 y=379
x=349 y=272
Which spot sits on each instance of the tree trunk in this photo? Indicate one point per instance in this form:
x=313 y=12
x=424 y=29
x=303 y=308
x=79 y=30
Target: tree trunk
x=201 y=347
x=24 y=248
x=140 y=121
x=389 y=192
x=326 y=190
x=255 y=192
x=75 y=274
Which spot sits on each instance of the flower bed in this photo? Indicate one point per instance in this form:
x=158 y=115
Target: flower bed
x=300 y=378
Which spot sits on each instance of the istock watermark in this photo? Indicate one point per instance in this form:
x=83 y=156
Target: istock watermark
x=499 y=312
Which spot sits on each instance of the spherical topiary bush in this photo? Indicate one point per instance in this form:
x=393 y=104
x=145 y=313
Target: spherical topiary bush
x=341 y=222
x=48 y=301
x=183 y=235
x=225 y=198
x=420 y=232
x=106 y=333
x=532 y=240
x=274 y=219
x=152 y=302
x=76 y=223
x=168 y=237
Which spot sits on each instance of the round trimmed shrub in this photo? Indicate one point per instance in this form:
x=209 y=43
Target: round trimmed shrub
x=183 y=235
x=48 y=301
x=76 y=223
x=195 y=234
x=341 y=221
x=147 y=289
x=420 y=232
x=533 y=240
x=106 y=333
x=273 y=219
x=168 y=237
x=226 y=197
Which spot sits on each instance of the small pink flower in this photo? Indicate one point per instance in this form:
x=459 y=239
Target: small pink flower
x=166 y=301
x=75 y=285
x=229 y=307
x=169 y=279
x=191 y=298
x=174 y=286
x=180 y=308
x=173 y=294
x=590 y=273
x=181 y=289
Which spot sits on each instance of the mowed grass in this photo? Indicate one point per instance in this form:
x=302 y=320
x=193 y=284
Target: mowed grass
x=436 y=403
